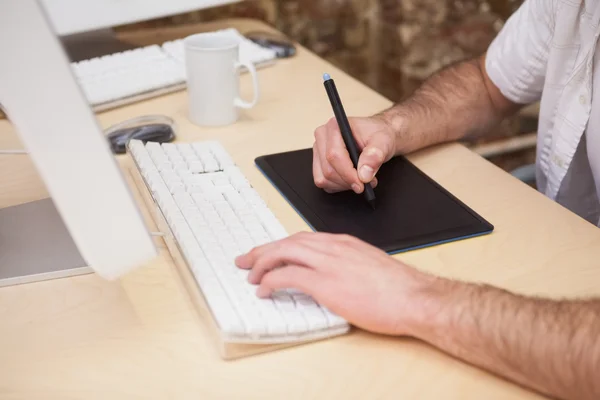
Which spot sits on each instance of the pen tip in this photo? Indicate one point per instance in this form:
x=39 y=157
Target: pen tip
x=326 y=77
x=372 y=203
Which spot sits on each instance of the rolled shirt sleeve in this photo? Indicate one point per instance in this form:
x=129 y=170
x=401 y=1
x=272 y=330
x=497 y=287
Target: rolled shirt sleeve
x=517 y=58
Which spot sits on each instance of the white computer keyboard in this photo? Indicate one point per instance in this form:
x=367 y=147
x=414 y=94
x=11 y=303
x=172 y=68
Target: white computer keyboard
x=123 y=78
x=214 y=215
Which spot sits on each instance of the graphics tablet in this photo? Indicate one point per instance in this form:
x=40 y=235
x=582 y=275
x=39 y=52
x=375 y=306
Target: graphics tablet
x=412 y=210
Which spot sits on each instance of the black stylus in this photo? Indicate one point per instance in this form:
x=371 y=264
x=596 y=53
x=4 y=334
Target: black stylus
x=342 y=120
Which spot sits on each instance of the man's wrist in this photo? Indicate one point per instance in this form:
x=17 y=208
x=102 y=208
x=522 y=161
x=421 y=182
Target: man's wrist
x=429 y=307
x=397 y=123
x=400 y=120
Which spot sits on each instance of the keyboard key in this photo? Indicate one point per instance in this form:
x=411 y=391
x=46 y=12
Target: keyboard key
x=221 y=182
x=283 y=301
x=220 y=154
x=237 y=178
x=171 y=151
x=334 y=320
x=315 y=319
x=195 y=167
x=272 y=225
x=275 y=322
x=295 y=322
x=304 y=302
x=252 y=197
x=246 y=245
x=183 y=200
x=228 y=320
x=210 y=165
x=180 y=166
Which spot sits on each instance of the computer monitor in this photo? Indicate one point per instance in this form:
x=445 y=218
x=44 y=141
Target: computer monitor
x=77 y=16
x=42 y=99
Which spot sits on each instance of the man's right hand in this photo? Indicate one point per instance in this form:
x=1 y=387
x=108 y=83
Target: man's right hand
x=332 y=167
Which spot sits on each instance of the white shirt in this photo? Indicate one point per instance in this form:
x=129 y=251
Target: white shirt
x=548 y=50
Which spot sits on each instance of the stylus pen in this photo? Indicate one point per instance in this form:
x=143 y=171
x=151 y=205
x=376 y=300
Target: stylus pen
x=342 y=120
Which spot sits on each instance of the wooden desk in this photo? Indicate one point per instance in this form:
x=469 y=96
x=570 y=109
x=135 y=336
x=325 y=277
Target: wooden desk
x=140 y=338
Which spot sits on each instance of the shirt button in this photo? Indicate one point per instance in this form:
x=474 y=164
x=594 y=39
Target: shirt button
x=582 y=99
x=558 y=161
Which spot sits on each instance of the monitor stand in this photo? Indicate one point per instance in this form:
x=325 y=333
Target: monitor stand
x=35 y=245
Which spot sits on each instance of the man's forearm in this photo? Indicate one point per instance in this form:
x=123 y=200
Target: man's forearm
x=457 y=101
x=550 y=346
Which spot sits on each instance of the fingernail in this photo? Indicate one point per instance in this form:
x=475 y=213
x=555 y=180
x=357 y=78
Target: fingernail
x=239 y=261
x=356 y=188
x=366 y=173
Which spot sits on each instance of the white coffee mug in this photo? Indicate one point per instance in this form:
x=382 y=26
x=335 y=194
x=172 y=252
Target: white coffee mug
x=212 y=67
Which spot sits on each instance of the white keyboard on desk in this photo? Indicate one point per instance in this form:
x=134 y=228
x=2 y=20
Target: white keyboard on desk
x=123 y=78
x=214 y=215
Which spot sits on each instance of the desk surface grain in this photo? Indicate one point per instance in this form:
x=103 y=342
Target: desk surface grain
x=140 y=337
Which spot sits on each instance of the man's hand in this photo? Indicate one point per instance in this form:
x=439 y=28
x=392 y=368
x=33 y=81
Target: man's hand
x=353 y=279
x=548 y=345
x=332 y=166
x=457 y=101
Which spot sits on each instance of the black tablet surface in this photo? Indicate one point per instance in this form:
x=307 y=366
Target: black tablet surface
x=412 y=210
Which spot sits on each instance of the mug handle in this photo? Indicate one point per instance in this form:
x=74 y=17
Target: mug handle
x=238 y=101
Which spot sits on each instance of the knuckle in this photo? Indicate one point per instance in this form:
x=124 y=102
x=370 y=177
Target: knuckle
x=278 y=245
x=346 y=238
x=329 y=172
x=298 y=235
x=337 y=247
x=332 y=155
x=253 y=257
x=320 y=182
x=303 y=236
x=326 y=236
